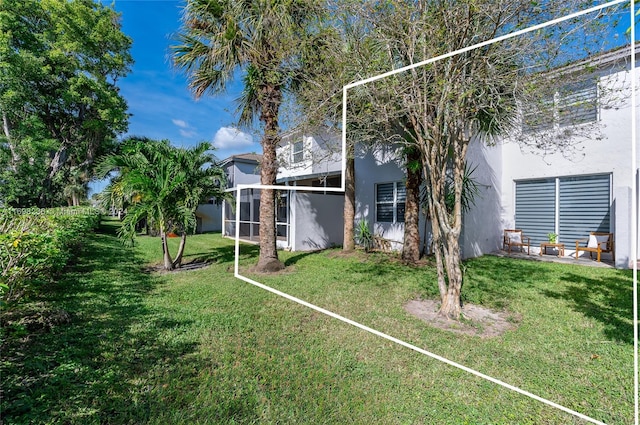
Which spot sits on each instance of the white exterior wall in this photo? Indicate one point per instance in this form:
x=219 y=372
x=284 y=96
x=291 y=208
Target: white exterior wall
x=321 y=156
x=244 y=173
x=611 y=155
x=316 y=221
x=500 y=166
x=483 y=223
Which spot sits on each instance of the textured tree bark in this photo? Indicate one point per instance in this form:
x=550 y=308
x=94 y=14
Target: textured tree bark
x=15 y=158
x=451 y=302
x=411 y=247
x=183 y=242
x=268 y=261
x=447 y=225
x=349 y=203
x=166 y=256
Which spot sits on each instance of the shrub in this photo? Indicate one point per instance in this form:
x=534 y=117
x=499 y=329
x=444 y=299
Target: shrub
x=36 y=244
x=364 y=237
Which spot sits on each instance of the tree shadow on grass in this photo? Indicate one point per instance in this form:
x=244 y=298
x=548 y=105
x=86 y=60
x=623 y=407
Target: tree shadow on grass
x=492 y=281
x=608 y=298
x=299 y=256
x=110 y=362
x=224 y=254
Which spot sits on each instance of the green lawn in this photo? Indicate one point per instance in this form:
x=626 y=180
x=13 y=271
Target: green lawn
x=201 y=347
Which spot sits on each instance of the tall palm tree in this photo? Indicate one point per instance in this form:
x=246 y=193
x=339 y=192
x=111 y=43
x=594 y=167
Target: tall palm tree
x=267 y=39
x=163 y=185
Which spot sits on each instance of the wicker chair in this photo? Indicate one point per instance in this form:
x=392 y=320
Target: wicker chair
x=598 y=242
x=515 y=238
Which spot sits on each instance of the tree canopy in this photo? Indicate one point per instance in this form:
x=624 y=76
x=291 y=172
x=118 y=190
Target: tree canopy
x=439 y=108
x=271 y=42
x=60 y=105
x=161 y=185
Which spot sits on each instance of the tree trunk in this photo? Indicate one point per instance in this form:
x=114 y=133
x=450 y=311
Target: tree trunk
x=451 y=302
x=349 y=213
x=268 y=261
x=177 y=263
x=447 y=225
x=166 y=256
x=411 y=248
x=15 y=158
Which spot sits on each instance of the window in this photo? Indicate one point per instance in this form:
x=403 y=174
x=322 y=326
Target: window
x=538 y=117
x=390 y=202
x=578 y=103
x=569 y=206
x=572 y=104
x=297 y=151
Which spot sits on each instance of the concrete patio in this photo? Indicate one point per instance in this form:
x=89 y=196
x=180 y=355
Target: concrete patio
x=551 y=258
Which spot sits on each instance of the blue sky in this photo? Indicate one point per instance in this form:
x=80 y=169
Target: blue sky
x=157 y=94
x=159 y=100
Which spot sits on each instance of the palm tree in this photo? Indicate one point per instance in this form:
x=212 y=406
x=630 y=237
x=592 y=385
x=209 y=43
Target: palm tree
x=266 y=39
x=204 y=179
x=163 y=185
x=76 y=187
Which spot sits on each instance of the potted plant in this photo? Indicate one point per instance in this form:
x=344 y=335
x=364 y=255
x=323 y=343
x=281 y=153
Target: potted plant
x=553 y=237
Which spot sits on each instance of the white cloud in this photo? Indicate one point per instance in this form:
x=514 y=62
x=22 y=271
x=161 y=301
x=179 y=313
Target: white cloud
x=229 y=137
x=181 y=123
x=188 y=133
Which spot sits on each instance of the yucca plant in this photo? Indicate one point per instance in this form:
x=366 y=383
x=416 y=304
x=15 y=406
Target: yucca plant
x=364 y=237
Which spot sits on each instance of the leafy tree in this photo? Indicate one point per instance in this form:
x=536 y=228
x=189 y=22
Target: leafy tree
x=60 y=107
x=268 y=40
x=436 y=110
x=475 y=95
x=163 y=185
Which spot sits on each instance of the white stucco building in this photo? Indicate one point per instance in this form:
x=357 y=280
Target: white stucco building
x=585 y=188
x=304 y=220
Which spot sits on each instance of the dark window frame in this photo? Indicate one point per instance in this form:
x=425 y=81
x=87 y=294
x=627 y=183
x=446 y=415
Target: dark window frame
x=397 y=203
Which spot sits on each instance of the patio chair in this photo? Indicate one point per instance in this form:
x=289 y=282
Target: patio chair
x=515 y=238
x=598 y=242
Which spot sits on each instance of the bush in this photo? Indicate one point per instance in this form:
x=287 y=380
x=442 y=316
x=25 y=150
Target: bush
x=363 y=236
x=36 y=244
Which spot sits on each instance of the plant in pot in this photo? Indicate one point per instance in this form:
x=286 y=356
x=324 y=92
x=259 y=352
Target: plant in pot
x=553 y=237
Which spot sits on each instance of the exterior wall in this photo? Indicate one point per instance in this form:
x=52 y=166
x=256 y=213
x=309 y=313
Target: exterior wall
x=316 y=221
x=372 y=167
x=483 y=223
x=209 y=218
x=243 y=173
x=499 y=167
x=611 y=155
x=321 y=156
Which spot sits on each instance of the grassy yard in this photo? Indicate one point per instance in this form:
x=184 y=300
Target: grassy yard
x=200 y=347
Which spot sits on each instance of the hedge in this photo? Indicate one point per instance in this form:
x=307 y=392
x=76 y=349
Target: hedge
x=36 y=244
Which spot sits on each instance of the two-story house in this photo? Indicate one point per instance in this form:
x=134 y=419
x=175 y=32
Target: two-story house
x=304 y=220
x=587 y=186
